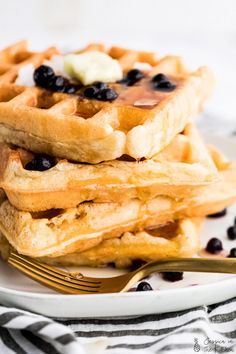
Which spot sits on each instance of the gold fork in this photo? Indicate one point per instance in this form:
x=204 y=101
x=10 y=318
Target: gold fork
x=77 y=283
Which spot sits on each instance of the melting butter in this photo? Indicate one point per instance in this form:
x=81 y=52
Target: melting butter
x=92 y=66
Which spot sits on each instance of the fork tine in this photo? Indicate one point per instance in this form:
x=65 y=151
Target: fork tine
x=49 y=283
x=55 y=271
x=51 y=278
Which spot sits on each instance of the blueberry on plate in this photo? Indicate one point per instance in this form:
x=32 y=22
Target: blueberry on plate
x=232 y=253
x=40 y=163
x=144 y=286
x=214 y=245
x=43 y=76
x=172 y=276
x=219 y=214
x=231 y=232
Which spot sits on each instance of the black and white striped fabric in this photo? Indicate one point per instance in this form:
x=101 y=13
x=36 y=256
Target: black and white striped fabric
x=202 y=329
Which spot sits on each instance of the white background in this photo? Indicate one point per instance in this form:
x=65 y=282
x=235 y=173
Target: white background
x=202 y=31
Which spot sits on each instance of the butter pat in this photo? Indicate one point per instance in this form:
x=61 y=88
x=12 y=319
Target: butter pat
x=92 y=66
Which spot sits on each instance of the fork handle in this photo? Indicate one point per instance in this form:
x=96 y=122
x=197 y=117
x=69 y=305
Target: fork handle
x=210 y=265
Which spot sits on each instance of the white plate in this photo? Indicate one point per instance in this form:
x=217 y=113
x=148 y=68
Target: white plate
x=194 y=290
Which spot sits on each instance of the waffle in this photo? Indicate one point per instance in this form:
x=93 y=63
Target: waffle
x=178 y=171
x=178 y=239
x=72 y=127
x=60 y=232
x=219 y=195
x=14 y=57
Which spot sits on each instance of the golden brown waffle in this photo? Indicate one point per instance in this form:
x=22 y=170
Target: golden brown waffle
x=219 y=195
x=180 y=170
x=59 y=232
x=177 y=239
x=15 y=57
x=63 y=231
x=92 y=131
x=126 y=57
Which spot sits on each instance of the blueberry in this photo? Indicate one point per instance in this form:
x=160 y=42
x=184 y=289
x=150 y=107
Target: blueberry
x=134 y=76
x=232 y=253
x=91 y=92
x=172 y=276
x=43 y=76
x=214 y=245
x=97 y=91
x=161 y=82
x=58 y=83
x=70 y=88
x=107 y=94
x=100 y=85
x=219 y=214
x=231 y=232
x=40 y=163
x=165 y=86
x=144 y=286
x=159 y=78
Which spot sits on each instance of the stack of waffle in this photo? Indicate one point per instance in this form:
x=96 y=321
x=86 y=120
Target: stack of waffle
x=130 y=179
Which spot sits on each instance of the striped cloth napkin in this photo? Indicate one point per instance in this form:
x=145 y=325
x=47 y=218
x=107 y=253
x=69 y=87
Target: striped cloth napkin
x=199 y=330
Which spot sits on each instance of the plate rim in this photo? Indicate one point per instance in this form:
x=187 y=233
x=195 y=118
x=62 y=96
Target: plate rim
x=126 y=294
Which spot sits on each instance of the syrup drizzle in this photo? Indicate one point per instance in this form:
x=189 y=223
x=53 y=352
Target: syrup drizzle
x=142 y=94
